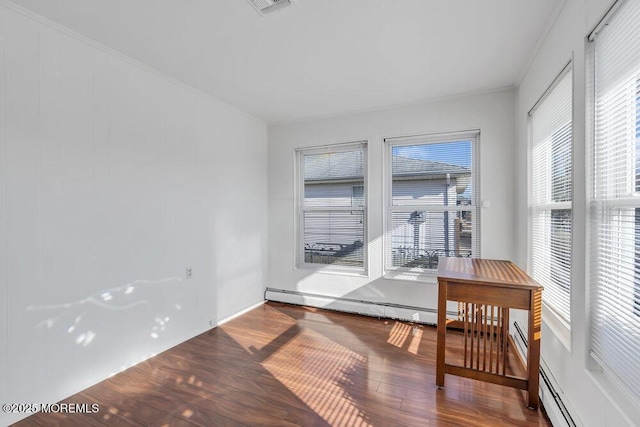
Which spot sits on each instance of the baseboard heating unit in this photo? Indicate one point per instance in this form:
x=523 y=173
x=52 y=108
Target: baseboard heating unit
x=409 y=313
x=550 y=393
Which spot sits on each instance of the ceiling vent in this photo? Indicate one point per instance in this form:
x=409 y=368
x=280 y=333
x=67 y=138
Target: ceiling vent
x=265 y=7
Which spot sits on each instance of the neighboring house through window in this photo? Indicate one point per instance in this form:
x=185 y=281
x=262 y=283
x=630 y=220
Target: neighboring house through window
x=332 y=206
x=432 y=200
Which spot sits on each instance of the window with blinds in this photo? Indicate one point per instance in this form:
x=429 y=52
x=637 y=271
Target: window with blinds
x=615 y=196
x=332 y=206
x=433 y=200
x=550 y=185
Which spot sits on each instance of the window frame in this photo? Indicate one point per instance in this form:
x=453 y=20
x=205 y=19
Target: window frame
x=300 y=207
x=421 y=274
x=562 y=323
x=612 y=204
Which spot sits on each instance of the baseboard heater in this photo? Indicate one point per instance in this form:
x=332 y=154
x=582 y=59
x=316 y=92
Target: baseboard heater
x=424 y=315
x=547 y=383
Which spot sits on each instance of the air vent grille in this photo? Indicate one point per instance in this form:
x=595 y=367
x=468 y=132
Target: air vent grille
x=265 y=7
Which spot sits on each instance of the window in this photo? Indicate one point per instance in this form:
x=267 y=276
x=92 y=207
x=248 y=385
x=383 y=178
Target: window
x=332 y=206
x=357 y=196
x=615 y=197
x=550 y=189
x=432 y=200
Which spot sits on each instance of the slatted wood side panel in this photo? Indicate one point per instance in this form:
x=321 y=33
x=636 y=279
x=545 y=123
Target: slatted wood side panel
x=485 y=337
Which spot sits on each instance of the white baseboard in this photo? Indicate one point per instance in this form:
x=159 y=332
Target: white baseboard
x=233 y=316
x=349 y=305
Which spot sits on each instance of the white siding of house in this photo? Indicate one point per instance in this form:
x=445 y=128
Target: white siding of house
x=431 y=233
x=424 y=192
x=328 y=229
x=328 y=194
x=405 y=192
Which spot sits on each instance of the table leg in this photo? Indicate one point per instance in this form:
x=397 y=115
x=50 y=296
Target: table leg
x=533 y=352
x=442 y=330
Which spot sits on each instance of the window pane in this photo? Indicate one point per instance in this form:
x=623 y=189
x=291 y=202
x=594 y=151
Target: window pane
x=561 y=248
x=334 y=237
x=432 y=174
x=616 y=325
x=329 y=178
x=432 y=177
x=357 y=195
x=551 y=257
x=551 y=189
x=615 y=204
x=333 y=206
x=418 y=238
x=615 y=155
x=561 y=179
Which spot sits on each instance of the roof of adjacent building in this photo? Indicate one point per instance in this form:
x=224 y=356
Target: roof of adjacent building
x=349 y=166
x=403 y=166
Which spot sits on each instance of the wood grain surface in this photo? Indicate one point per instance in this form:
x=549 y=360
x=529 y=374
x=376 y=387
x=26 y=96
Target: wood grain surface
x=489 y=271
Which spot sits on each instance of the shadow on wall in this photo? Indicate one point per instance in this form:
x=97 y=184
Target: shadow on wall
x=128 y=317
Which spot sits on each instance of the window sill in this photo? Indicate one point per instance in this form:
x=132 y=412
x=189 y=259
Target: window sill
x=430 y=277
x=329 y=269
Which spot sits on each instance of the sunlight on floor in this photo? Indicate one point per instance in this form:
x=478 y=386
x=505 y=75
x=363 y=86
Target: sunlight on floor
x=414 y=345
x=278 y=324
x=398 y=334
x=322 y=383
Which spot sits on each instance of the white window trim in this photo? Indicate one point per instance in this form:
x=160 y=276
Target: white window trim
x=421 y=275
x=299 y=209
x=619 y=394
x=560 y=327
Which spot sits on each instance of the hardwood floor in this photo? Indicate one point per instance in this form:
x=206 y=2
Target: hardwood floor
x=286 y=365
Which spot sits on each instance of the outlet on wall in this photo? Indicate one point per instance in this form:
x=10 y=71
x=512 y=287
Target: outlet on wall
x=189 y=272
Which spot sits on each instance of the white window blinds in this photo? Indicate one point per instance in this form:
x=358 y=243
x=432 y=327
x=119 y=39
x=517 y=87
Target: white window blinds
x=550 y=194
x=615 y=198
x=433 y=200
x=332 y=206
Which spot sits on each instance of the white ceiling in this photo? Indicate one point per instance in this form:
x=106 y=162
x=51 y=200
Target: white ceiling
x=320 y=57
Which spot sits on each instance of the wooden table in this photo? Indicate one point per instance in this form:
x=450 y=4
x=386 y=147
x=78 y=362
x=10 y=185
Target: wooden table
x=485 y=291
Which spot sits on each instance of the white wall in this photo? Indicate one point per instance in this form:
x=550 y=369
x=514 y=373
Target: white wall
x=113 y=179
x=591 y=397
x=492 y=113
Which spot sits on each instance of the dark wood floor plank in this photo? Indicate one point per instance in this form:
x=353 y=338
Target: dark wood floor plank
x=30 y=422
x=286 y=365
x=123 y=405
